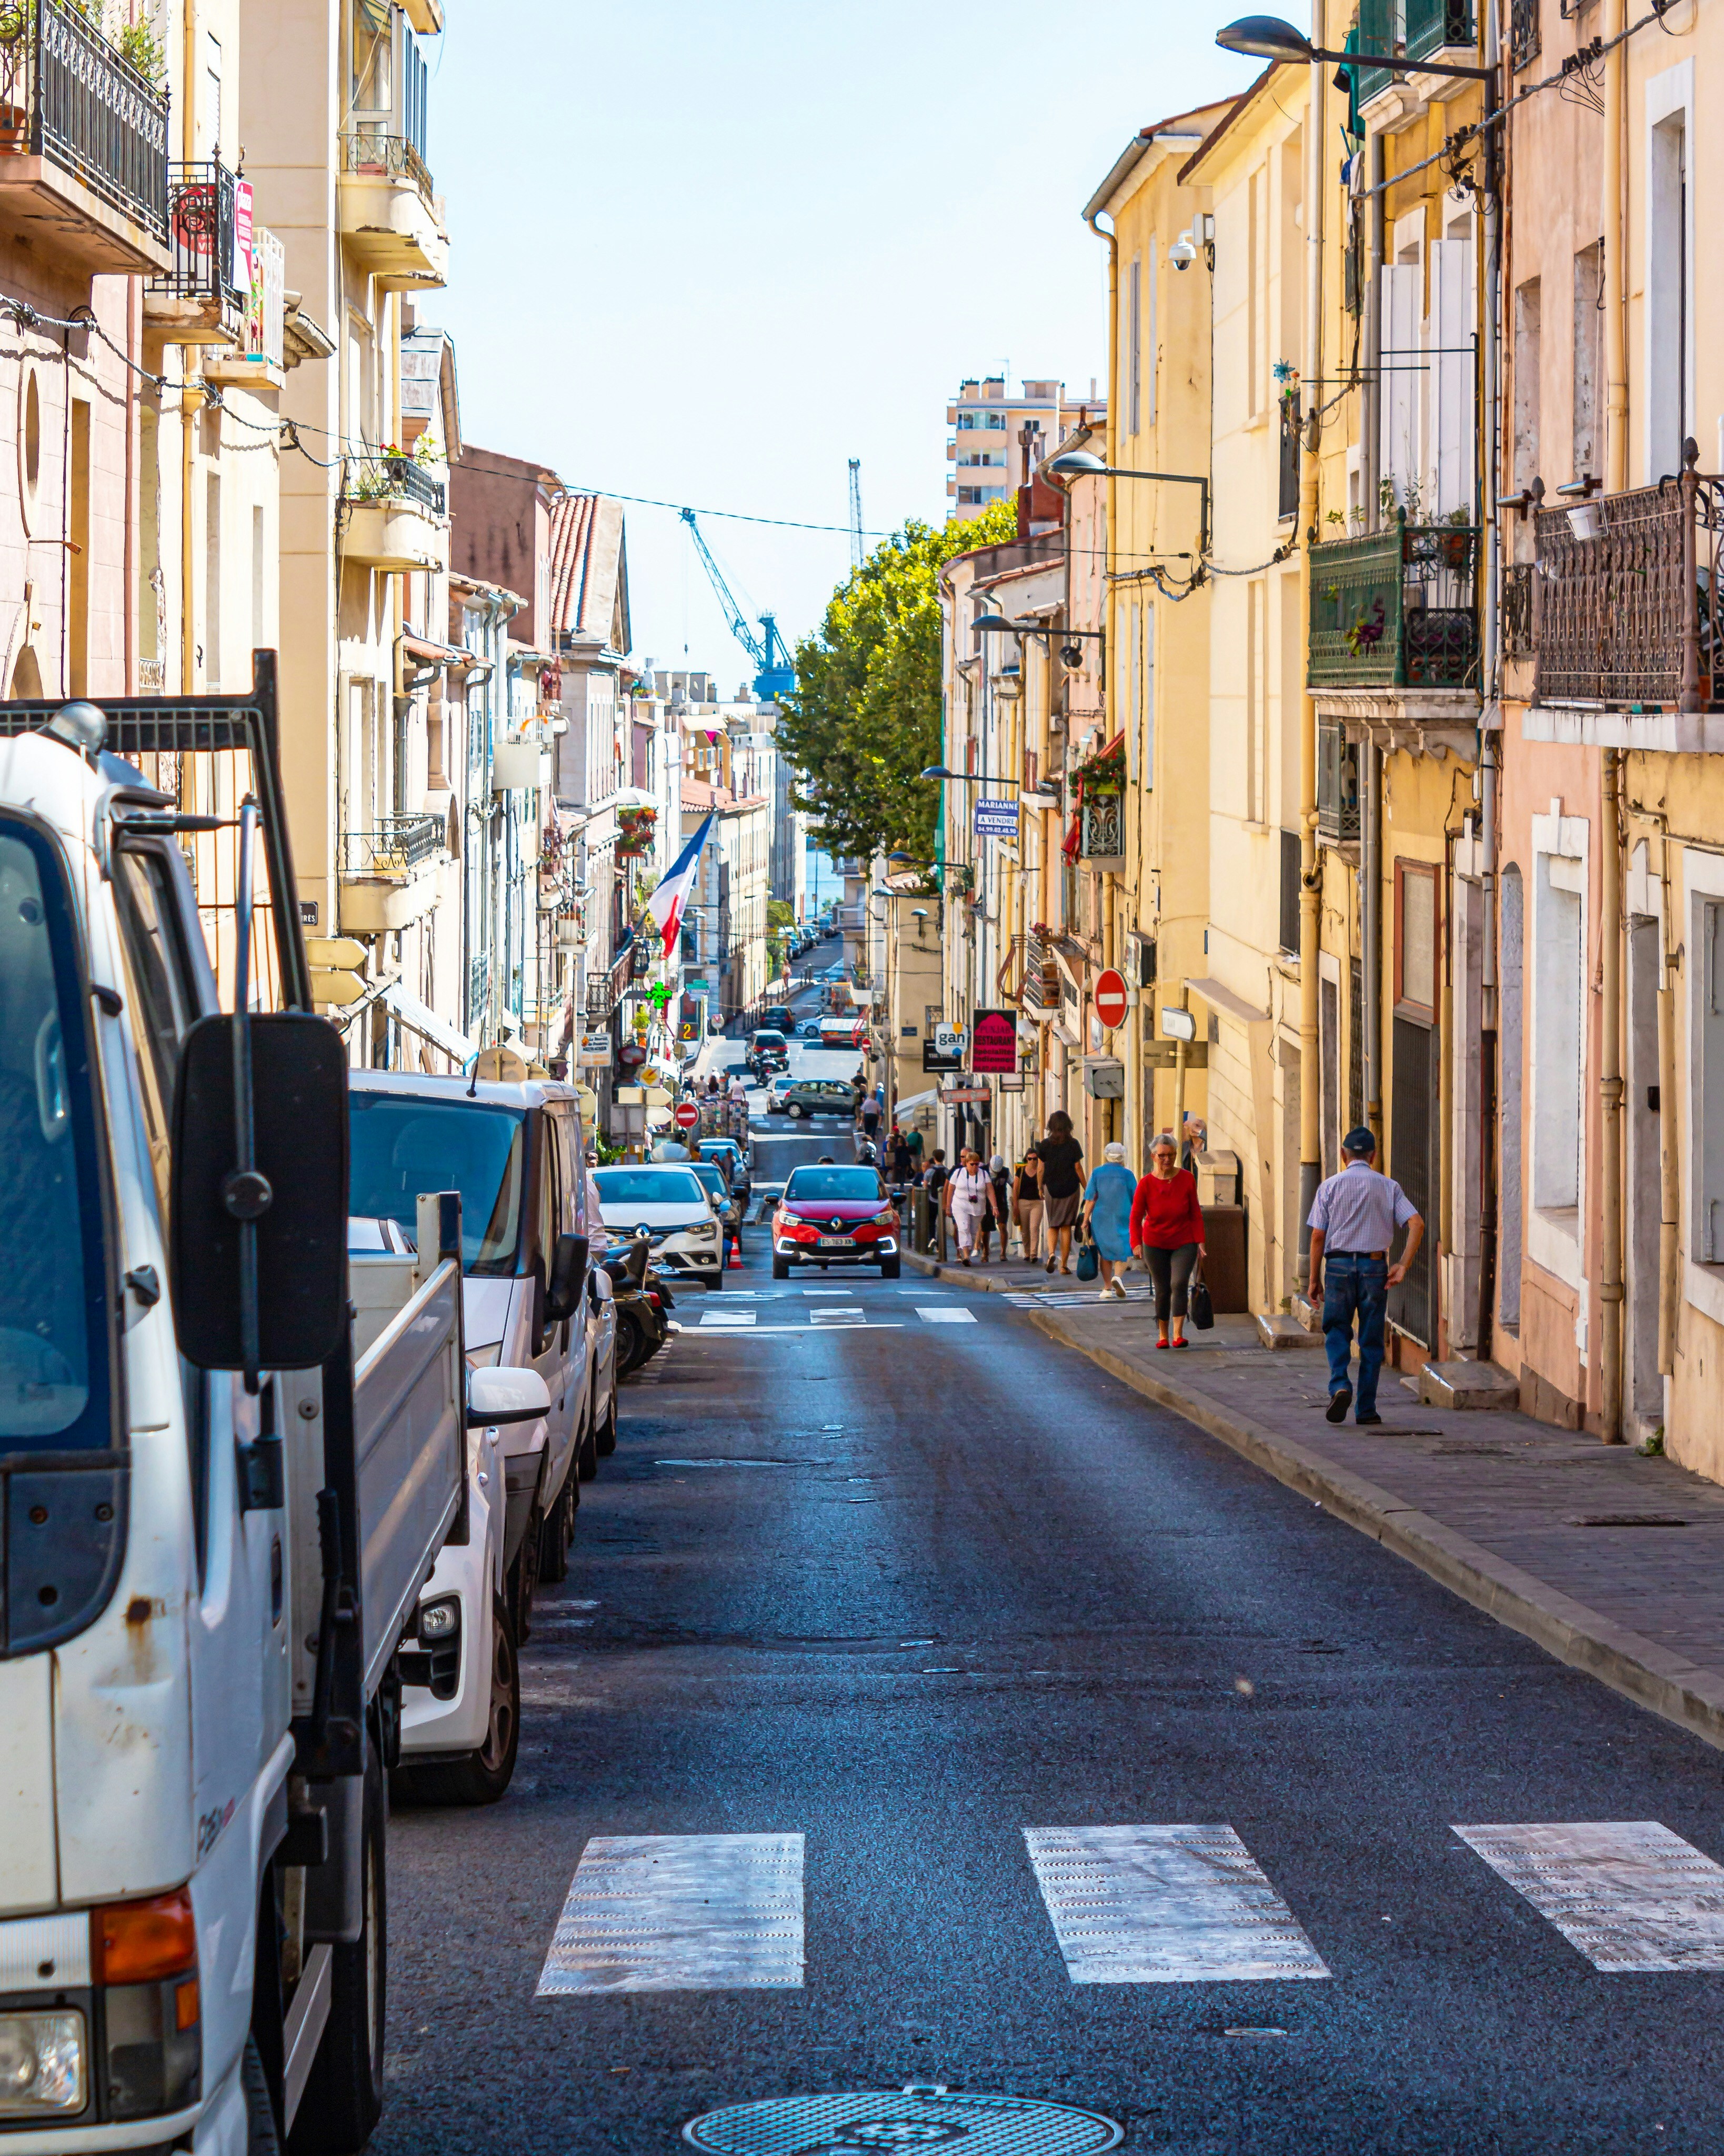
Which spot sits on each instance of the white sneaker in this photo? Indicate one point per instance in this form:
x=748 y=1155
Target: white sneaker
x=1118 y=1287
x=1106 y=1293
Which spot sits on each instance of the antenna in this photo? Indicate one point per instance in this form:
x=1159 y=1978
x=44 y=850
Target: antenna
x=855 y=512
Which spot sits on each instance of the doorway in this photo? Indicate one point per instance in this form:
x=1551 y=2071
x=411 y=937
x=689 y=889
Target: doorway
x=1643 y=1388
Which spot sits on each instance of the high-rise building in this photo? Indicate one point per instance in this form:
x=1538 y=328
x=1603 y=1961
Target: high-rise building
x=986 y=449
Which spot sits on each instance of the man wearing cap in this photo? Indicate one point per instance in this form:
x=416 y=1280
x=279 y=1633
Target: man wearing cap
x=1354 y=1218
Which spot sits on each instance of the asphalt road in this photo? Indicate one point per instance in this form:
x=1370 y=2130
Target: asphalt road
x=906 y=1587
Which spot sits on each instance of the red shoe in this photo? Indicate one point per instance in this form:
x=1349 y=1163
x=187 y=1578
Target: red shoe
x=1161 y=1343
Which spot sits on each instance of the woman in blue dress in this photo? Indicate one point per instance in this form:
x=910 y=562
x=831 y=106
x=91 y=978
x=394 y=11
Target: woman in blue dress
x=1107 y=1215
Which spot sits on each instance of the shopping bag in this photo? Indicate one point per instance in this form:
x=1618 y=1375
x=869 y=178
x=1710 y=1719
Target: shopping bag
x=1089 y=1260
x=1202 y=1308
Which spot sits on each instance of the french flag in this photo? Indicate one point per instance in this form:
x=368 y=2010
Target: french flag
x=667 y=902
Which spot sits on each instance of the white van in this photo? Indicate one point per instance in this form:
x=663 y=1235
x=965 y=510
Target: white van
x=515 y=1153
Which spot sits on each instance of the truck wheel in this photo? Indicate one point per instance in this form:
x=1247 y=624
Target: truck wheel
x=484 y=1775
x=344 y=2096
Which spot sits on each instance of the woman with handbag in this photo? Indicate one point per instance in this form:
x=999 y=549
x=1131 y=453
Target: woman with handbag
x=1027 y=1203
x=969 y=1201
x=1167 y=1231
x=1107 y=1219
x=1062 y=1187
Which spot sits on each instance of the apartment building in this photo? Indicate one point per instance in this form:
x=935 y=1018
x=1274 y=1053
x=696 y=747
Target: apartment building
x=987 y=447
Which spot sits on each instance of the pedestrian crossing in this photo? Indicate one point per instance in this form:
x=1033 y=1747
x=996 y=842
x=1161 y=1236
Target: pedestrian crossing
x=1167 y=1903
x=1072 y=1298
x=748 y=1313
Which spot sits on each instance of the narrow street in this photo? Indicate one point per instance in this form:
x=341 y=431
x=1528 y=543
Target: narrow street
x=876 y=1566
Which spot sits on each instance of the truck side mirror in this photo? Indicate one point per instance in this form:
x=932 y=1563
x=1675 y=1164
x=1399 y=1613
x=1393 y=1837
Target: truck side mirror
x=568 y=1275
x=295 y=1199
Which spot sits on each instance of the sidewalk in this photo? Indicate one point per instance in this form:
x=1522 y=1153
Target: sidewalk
x=1613 y=1562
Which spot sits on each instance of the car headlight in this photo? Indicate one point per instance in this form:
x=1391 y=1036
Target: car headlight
x=706 y=1230
x=42 y=2064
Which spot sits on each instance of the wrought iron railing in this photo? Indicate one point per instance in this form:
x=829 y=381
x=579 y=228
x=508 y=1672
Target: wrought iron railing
x=69 y=96
x=1629 y=609
x=1518 y=581
x=1396 y=609
x=395 y=847
x=200 y=218
x=1415 y=27
x=1523 y=33
x=1337 y=784
x=383 y=477
x=369 y=152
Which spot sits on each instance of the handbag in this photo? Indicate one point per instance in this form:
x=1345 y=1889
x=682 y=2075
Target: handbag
x=1201 y=1306
x=1089 y=1259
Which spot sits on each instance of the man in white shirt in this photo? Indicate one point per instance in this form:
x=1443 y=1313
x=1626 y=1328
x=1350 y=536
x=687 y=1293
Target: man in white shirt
x=1354 y=1220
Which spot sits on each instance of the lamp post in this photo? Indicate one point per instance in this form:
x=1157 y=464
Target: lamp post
x=1079 y=464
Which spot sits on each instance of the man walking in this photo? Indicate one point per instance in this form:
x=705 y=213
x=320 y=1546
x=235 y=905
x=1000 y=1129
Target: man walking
x=1354 y=1218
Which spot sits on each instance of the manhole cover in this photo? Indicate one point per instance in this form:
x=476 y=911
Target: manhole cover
x=914 y=2118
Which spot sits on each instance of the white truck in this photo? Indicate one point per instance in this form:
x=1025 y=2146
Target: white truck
x=219 y=1511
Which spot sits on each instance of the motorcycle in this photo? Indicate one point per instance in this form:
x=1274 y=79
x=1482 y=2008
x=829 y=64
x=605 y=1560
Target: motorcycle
x=643 y=1299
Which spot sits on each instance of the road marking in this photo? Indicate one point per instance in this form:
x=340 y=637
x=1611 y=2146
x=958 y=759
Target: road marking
x=1629 y=1894
x=1165 y=1905
x=942 y=1314
x=855 y=1315
x=681 y=1913
x=829 y=1290
x=725 y=1319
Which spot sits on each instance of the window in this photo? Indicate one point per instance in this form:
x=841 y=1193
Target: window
x=1289 y=892
x=1416 y=939
x=1528 y=360
x=1134 y=305
x=54 y=1292
x=1670 y=324
x=163 y=1001
x=1709 y=1088
x=1589 y=353
x=400 y=1144
x=1558 y=953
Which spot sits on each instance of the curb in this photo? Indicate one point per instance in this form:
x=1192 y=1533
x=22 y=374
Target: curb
x=1652 y=1677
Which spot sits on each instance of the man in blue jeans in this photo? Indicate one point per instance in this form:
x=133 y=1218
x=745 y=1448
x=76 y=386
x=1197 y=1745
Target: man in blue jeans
x=1354 y=1220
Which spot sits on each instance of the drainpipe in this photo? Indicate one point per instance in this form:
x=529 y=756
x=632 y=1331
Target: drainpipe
x=1371 y=412
x=1370 y=761
x=1667 y=1168
x=1310 y=1081
x=1114 y=422
x=1611 y=225
x=1610 y=1101
x=1491 y=433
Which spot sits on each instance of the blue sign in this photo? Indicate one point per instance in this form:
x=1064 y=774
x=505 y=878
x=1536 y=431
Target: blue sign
x=996 y=819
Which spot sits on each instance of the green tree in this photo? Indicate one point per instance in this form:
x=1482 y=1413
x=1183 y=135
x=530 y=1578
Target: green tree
x=864 y=720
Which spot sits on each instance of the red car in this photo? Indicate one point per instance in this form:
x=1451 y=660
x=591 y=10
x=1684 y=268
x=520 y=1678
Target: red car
x=834 y=1216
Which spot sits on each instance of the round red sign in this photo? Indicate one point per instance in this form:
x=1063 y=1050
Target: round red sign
x=1111 y=997
x=687 y=1115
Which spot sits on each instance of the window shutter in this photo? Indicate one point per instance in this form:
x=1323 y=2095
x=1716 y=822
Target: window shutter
x=1709 y=1226
x=1451 y=376
x=1403 y=359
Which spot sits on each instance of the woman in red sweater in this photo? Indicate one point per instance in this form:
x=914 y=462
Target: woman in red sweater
x=1167 y=1233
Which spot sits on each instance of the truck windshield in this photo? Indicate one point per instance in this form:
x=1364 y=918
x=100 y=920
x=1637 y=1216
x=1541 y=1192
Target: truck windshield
x=403 y=1145
x=53 y=1332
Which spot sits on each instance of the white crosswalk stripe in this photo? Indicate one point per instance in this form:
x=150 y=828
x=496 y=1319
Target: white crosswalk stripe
x=1630 y=1895
x=681 y=1913
x=943 y=1314
x=1165 y=1905
x=1054 y=1298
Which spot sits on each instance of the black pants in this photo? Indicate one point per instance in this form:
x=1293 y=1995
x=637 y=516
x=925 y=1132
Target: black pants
x=1170 y=1270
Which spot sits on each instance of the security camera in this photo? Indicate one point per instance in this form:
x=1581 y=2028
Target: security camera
x=1183 y=252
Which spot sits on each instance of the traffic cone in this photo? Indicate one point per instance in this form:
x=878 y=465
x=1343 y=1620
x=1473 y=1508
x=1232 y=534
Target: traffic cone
x=736 y=1261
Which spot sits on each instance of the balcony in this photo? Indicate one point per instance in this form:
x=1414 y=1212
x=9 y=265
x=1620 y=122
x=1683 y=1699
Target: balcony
x=1421 y=29
x=82 y=145
x=393 y=515
x=1626 y=616
x=390 y=219
x=201 y=297
x=390 y=874
x=1396 y=609
x=259 y=358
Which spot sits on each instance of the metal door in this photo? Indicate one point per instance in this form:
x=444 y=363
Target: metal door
x=1412 y=1159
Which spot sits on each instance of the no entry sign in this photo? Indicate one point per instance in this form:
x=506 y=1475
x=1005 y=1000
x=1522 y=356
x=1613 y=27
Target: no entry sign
x=687 y=1115
x=1110 y=998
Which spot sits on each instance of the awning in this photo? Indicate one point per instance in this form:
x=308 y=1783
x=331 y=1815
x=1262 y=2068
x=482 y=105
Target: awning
x=420 y=1018
x=1219 y=997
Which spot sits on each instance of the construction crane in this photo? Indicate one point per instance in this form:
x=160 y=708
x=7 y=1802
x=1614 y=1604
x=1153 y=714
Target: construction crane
x=855 y=512
x=775 y=675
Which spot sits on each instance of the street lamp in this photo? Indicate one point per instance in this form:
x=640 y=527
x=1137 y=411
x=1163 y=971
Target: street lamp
x=969 y=777
x=1268 y=38
x=1079 y=464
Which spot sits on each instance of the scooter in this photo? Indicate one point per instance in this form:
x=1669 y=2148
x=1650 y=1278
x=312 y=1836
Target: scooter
x=643 y=1298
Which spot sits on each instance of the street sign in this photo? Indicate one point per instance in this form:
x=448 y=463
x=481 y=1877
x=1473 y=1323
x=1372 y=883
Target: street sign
x=687 y=1115
x=595 y=1051
x=996 y=819
x=952 y=1094
x=993 y=1041
x=1111 y=997
x=936 y=1059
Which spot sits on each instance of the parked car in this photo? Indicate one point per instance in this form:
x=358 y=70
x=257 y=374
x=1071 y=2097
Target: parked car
x=719 y=1189
x=779 y=1018
x=733 y=1158
x=831 y=1215
x=668 y=1203
x=808 y=1030
x=819 y=1096
x=777 y=1087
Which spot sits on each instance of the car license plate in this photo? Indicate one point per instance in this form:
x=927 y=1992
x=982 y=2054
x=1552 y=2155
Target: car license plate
x=838 y=1242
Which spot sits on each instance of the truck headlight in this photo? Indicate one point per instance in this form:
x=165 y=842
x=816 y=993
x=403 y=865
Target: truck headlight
x=42 y=2066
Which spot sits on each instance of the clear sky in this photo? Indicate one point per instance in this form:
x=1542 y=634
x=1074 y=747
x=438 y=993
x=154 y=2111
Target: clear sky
x=711 y=252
